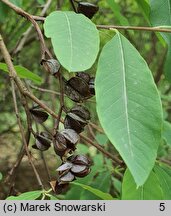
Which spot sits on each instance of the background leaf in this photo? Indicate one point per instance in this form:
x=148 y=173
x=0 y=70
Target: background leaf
x=31 y=195
x=100 y=194
x=151 y=190
x=75 y=39
x=161 y=16
x=23 y=73
x=128 y=106
x=117 y=11
x=167 y=132
x=165 y=181
x=1 y=176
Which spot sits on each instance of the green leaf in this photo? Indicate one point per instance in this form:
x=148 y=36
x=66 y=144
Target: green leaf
x=145 y=8
x=53 y=197
x=41 y=1
x=117 y=11
x=31 y=195
x=23 y=73
x=100 y=194
x=75 y=39
x=129 y=106
x=101 y=139
x=151 y=190
x=3 y=11
x=167 y=132
x=1 y=176
x=165 y=181
x=17 y=2
x=102 y=182
x=160 y=16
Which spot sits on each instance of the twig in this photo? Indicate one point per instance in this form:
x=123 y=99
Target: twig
x=28 y=94
x=44 y=49
x=25 y=35
x=73 y=6
x=12 y=74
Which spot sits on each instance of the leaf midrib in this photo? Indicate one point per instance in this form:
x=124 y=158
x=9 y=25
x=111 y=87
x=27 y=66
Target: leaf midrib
x=125 y=94
x=70 y=36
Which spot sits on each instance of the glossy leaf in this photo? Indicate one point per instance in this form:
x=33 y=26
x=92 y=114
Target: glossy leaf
x=160 y=16
x=165 y=181
x=75 y=39
x=23 y=73
x=31 y=195
x=128 y=106
x=100 y=194
x=151 y=190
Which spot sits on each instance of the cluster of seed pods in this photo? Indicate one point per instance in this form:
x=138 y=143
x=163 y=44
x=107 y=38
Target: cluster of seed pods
x=78 y=88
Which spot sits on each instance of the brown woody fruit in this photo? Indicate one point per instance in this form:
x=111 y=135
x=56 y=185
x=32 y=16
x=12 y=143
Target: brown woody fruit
x=51 y=65
x=65 y=141
x=38 y=114
x=43 y=142
x=77 y=118
x=77 y=89
x=88 y=9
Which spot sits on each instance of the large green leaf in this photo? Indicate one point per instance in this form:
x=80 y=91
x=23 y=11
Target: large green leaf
x=151 y=190
x=98 y=193
x=161 y=16
x=23 y=73
x=128 y=106
x=31 y=195
x=165 y=181
x=75 y=39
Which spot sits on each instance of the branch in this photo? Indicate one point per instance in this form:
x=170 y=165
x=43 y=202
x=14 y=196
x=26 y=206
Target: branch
x=25 y=92
x=44 y=49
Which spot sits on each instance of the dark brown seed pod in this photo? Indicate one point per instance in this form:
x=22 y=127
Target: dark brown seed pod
x=69 y=123
x=84 y=76
x=42 y=142
x=91 y=86
x=64 y=167
x=58 y=188
x=51 y=65
x=76 y=118
x=81 y=111
x=78 y=168
x=70 y=135
x=66 y=177
x=39 y=114
x=77 y=89
x=88 y=9
x=80 y=160
x=83 y=173
x=65 y=141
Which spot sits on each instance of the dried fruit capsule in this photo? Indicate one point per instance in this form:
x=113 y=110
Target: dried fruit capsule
x=77 y=118
x=84 y=76
x=39 y=114
x=65 y=141
x=91 y=86
x=66 y=177
x=51 y=65
x=77 y=89
x=88 y=9
x=42 y=143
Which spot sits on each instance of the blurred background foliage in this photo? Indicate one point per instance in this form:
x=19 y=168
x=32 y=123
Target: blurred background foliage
x=104 y=175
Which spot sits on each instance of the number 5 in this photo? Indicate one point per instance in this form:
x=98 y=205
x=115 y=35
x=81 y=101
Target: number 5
x=162 y=207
